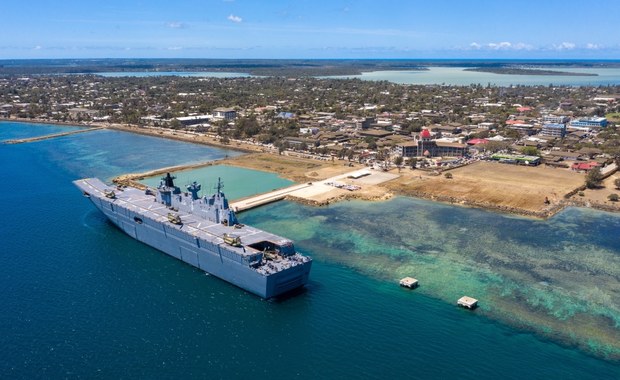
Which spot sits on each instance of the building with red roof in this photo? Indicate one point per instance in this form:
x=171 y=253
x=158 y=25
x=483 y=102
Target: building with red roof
x=477 y=141
x=584 y=166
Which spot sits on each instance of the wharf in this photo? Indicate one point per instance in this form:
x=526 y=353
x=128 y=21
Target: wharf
x=310 y=191
x=51 y=136
x=272 y=196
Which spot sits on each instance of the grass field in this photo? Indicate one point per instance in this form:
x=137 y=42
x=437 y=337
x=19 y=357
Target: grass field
x=613 y=117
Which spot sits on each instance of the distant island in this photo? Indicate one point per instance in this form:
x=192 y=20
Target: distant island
x=294 y=67
x=524 y=71
x=258 y=67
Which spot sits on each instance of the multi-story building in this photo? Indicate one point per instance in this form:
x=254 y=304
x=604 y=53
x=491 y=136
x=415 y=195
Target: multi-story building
x=522 y=128
x=553 y=130
x=225 y=113
x=555 y=119
x=588 y=123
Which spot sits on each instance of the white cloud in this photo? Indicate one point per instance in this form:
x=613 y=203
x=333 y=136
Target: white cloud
x=499 y=45
x=592 y=46
x=234 y=18
x=175 y=48
x=565 y=46
x=38 y=47
x=175 y=25
x=504 y=45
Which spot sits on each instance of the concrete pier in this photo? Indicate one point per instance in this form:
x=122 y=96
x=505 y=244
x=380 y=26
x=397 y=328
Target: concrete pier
x=51 y=136
x=261 y=199
x=310 y=190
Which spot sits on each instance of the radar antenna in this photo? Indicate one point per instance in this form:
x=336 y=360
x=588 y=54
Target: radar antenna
x=169 y=180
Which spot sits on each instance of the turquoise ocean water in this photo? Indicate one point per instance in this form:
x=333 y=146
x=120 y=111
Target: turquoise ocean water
x=455 y=76
x=238 y=182
x=81 y=299
x=458 y=76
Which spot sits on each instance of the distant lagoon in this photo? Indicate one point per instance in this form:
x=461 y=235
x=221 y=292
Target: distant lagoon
x=454 y=76
x=458 y=76
x=199 y=74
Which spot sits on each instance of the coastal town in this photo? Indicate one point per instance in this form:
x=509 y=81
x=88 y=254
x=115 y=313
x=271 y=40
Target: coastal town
x=529 y=150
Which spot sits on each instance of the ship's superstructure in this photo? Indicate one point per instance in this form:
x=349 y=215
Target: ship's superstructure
x=203 y=232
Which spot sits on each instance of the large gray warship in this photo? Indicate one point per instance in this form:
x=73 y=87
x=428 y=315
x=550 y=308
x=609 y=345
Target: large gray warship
x=203 y=232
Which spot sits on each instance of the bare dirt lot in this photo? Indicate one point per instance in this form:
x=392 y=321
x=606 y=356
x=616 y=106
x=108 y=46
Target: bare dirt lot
x=513 y=188
x=293 y=168
x=599 y=197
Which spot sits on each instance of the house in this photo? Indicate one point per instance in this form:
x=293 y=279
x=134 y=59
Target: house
x=194 y=120
x=584 y=166
x=225 y=113
x=285 y=115
x=564 y=155
x=374 y=133
x=477 y=141
x=80 y=113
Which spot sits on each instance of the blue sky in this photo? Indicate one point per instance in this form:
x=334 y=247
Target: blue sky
x=310 y=29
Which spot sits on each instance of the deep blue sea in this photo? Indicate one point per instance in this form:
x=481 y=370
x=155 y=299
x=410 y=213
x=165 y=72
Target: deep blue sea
x=81 y=299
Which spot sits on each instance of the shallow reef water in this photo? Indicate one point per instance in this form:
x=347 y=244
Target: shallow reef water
x=559 y=278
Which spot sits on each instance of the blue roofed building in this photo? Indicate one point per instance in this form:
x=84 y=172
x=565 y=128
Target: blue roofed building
x=588 y=123
x=286 y=115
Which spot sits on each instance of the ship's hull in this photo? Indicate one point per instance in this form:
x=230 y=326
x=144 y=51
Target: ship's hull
x=211 y=258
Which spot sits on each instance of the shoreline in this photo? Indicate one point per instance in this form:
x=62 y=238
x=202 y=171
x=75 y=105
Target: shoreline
x=301 y=170
x=51 y=122
x=529 y=71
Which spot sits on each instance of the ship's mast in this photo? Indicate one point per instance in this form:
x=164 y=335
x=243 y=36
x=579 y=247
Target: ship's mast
x=219 y=185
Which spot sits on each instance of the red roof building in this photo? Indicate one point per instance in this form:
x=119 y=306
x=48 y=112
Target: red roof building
x=477 y=141
x=585 y=166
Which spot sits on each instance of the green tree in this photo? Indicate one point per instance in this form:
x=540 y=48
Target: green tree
x=613 y=197
x=398 y=160
x=496 y=146
x=593 y=178
x=617 y=183
x=175 y=124
x=530 y=151
x=372 y=143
